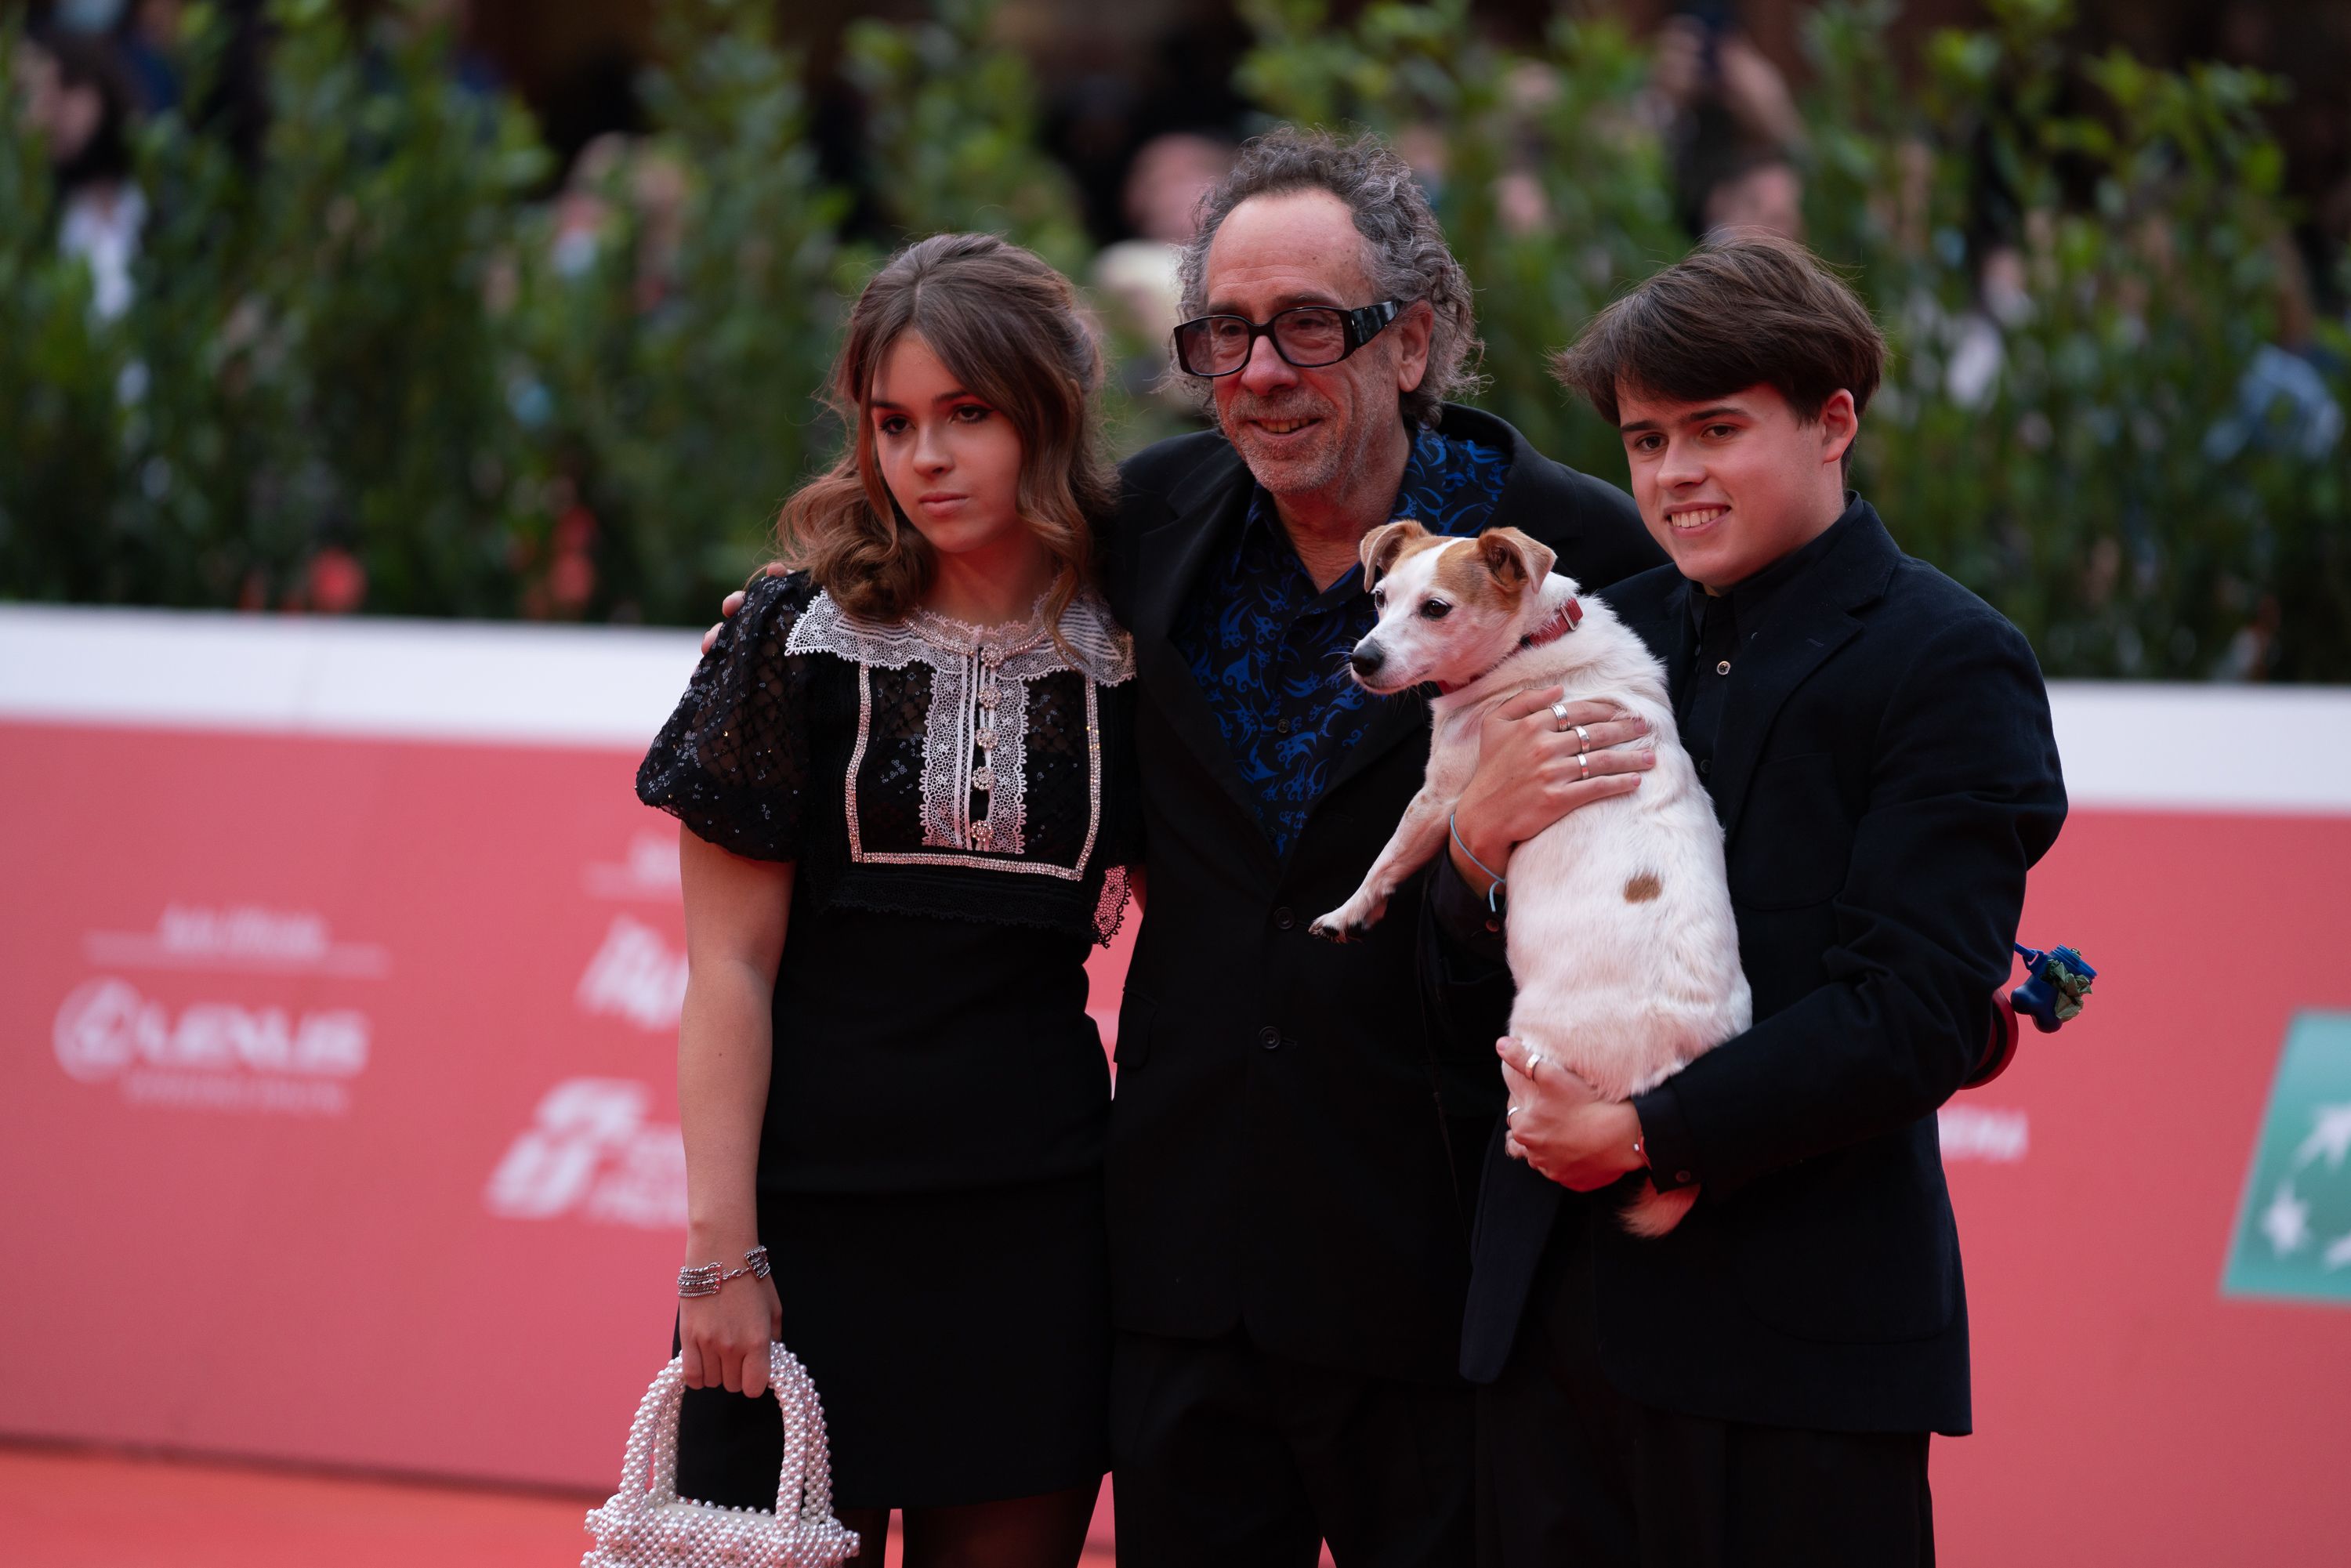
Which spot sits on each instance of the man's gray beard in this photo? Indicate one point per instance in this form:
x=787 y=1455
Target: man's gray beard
x=1302 y=475
x=1297 y=476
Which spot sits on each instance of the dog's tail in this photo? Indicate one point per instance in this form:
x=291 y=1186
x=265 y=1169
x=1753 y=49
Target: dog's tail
x=1653 y=1213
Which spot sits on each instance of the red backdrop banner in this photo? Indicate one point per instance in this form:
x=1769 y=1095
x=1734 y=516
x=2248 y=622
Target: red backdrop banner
x=338 y=1124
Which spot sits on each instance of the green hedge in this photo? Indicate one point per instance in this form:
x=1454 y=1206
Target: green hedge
x=370 y=352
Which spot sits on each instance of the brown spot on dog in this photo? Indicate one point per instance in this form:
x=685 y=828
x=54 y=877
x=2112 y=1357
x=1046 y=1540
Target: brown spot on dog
x=1466 y=572
x=1642 y=888
x=1390 y=543
x=1510 y=554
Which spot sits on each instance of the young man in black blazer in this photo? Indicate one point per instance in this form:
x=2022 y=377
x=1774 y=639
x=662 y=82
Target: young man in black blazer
x=1758 y=1386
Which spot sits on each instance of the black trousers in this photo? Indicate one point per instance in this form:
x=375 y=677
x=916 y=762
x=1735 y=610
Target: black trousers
x=1570 y=1471
x=1222 y=1454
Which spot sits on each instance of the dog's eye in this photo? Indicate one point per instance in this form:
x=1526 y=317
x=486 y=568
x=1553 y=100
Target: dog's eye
x=1379 y=598
x=1435 y=609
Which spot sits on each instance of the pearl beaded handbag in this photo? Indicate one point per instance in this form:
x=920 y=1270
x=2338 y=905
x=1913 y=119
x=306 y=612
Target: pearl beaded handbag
x=647 y=1525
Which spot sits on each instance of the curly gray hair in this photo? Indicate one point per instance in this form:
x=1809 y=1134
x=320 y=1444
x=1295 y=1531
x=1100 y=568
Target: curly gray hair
x=1403 y=249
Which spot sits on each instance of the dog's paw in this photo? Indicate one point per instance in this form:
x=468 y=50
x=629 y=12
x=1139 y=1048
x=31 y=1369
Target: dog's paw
x=1351 y=920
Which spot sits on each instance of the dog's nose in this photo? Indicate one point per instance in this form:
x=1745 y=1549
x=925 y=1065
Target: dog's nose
x=1367 y=658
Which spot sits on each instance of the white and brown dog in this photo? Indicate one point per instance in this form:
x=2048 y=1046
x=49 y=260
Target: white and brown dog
x=1621 y=938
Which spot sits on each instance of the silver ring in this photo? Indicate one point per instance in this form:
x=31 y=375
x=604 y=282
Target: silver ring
x=1559 y=714
x=1583 y=741
x=1535 y=1059
x=1508 y=1112
x=1583 y=766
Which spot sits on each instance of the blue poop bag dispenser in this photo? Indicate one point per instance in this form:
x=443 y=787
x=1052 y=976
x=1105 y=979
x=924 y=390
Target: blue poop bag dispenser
x=2056 y=983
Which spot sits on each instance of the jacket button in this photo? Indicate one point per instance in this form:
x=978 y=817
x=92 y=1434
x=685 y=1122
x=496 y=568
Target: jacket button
x=1282 y=919
x=1270 y=1038
x=1682 y=1176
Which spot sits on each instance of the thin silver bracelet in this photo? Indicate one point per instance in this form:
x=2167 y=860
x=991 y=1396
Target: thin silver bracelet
x=1493 y=892
x=705 y=1278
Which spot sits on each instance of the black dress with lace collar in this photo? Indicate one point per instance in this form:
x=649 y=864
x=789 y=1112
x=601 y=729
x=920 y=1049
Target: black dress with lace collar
x=961 y=808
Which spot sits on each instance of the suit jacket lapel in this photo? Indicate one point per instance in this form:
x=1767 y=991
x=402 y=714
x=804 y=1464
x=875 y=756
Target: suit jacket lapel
x=1811 y=622
x=1171 y=558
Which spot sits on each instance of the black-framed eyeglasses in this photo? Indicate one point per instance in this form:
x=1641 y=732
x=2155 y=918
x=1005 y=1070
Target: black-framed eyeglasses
x=1306 y=336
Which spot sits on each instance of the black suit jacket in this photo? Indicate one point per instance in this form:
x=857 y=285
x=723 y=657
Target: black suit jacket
x=1885 y=774
x=1276 y=1156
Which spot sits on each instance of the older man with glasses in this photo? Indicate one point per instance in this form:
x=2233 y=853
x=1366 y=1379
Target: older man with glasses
x=1291 y=1163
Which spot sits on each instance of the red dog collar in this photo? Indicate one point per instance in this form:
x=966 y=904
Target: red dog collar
x=1570 y=616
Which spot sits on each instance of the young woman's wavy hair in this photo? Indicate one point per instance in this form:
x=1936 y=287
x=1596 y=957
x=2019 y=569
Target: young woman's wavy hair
x=1013 y=332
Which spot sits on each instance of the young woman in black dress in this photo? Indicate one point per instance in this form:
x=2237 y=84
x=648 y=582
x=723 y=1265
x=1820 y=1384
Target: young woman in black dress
x=899 y=772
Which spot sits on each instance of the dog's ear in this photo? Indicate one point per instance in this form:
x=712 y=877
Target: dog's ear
x=1384 y=544
x=1513 y=557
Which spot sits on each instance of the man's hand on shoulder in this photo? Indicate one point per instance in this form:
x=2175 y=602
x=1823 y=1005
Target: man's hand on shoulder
x=734 y=602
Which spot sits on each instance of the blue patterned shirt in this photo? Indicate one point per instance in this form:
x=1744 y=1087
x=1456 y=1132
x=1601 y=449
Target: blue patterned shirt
x=1270 y=652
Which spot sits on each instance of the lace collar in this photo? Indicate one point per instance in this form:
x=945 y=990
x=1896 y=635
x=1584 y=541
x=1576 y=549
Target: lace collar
x=1020 y=650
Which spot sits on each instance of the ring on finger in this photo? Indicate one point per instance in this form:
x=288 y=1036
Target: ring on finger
x=1583 y=766
x=1559 y=716
x=1582 y=740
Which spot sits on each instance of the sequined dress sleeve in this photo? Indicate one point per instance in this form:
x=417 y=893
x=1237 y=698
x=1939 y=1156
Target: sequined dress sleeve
x=734 y=763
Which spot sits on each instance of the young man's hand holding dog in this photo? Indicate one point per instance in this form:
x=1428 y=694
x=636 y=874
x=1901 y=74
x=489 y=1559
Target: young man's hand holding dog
x=1558 y=1123
x=1534 y=768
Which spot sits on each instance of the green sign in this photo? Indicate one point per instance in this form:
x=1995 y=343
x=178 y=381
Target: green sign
x=2294 y=1229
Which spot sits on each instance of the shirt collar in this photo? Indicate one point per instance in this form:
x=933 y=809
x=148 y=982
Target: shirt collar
x=1750 y=599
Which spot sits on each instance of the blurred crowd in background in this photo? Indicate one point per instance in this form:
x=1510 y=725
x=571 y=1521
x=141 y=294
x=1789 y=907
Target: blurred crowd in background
x=447 y=308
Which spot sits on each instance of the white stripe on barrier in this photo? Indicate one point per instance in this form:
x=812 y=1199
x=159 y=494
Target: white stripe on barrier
x=2159 y=746
x=2145 y=746
x=425 y=680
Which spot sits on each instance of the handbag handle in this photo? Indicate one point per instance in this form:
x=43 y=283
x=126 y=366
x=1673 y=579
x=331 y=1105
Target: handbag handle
x=804 y=1488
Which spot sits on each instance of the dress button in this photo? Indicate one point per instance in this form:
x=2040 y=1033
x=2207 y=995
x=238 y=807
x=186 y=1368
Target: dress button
x=1281 y=727
x=1270 y=1038
x=1705 y=765
x=1682 y=1176
x=1282 y=919
x=1723 y=668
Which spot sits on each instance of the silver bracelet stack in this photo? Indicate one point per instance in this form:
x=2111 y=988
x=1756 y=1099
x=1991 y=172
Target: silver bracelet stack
x=705 y=1278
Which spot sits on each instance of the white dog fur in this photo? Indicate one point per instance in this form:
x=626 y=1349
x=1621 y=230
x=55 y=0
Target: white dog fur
x=1620 y=933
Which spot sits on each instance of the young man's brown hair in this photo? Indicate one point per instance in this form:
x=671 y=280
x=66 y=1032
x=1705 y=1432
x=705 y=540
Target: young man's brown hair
x=1741 y=311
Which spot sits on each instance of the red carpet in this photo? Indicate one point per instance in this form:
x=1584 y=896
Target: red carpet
x=75 y=1508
